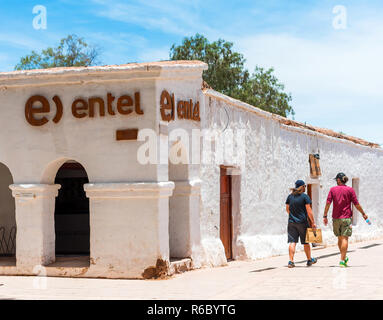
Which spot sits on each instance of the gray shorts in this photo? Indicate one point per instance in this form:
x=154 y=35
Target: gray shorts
x=296 y=231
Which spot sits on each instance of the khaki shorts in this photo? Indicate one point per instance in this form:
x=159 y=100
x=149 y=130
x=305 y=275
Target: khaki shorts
x=342 y=227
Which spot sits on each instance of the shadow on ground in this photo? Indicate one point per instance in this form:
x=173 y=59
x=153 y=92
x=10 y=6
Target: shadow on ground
x=324 y=257
x=371 y=246
x=319 y=257
x=265 y=269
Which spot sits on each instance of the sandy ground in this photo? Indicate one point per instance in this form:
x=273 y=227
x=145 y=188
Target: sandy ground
x=263 y=279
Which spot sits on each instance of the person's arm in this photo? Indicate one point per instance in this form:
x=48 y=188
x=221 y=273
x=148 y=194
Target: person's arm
x=288 y=205
x=360 y=209
x=357 y=205
x=326 y=209
x=310 y=216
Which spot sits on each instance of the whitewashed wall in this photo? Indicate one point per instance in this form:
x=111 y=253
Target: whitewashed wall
x=129 y=201
x=187 y=224
x=277 y=156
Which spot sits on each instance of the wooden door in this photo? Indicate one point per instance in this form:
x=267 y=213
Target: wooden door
x=226 y=232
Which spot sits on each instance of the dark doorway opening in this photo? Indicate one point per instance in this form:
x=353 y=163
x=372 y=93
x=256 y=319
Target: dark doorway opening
x=226 y=220
x=72 y=211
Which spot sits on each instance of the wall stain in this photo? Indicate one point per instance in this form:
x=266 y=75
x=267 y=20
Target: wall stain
x=160 y=271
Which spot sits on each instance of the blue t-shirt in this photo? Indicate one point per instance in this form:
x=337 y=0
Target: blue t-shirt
x=297 y=203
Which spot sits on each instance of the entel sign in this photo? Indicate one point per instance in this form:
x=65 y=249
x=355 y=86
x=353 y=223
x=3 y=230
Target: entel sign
x=126 y=104
x=185 y=109
x=81 y=107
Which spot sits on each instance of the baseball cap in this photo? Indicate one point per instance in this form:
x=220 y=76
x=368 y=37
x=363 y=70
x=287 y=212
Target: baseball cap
x=340 y=176
x=299 y=184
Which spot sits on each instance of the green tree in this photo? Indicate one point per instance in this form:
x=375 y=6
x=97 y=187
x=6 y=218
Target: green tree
x=72 y=51
x=264 y=91
x=227 y=74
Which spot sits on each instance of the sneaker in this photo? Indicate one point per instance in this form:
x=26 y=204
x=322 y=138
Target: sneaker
x=343 y=264
x=291 y=264
x=311 y=262
x=346 y=260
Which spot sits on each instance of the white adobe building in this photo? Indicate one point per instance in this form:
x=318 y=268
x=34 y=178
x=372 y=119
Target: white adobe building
x=78 y=199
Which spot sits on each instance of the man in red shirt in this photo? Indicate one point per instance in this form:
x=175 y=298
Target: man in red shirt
x=342 y=198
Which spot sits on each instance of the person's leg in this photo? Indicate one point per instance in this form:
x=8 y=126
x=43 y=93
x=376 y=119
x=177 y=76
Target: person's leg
x=343 y=247
x=292 y=239
x=338 y=233
x=307 y=251
x=345 y=232
x=292 y=251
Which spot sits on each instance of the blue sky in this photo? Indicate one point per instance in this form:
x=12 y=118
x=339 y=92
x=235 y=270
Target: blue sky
x=334 y=75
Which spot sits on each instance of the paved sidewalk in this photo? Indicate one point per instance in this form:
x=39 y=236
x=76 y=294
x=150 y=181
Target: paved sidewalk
x=264 y=279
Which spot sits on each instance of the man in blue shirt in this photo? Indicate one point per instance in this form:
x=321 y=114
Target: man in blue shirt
x=298 y=206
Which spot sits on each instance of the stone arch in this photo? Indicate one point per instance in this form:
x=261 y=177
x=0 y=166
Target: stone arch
x=7 y=213
x=71 y=214
x=50 y=171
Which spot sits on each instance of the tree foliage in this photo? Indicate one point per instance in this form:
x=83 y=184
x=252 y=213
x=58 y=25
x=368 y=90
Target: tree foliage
x=72 y=51
x=227 y=74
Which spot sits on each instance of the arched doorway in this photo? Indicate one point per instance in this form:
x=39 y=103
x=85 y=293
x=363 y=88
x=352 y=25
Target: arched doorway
x=7 y=216
x=72 y=211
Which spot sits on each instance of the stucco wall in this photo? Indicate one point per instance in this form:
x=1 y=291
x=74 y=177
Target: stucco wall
x=276 y=156
x=126 y=196
x=89 y=141
x=130 y=224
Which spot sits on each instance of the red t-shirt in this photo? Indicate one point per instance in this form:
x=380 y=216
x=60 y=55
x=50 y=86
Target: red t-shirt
x=342 y=198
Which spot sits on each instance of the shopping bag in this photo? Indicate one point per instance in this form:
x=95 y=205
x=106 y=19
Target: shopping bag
x=314 y=236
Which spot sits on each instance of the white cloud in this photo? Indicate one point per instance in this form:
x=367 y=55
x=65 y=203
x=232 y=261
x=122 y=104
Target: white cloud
x=335 y=81
x=169 y=17
x=117 y=47
x=21 y=41
x=157 y=54
x=5 y=62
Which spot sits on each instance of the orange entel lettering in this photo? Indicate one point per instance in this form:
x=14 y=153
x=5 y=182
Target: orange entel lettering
x=137 y=103
x=166 y=104
x=180 y=110
x=30 y=111
x=110 y=98
x=124 y=103
x=100 y=102
x=196 y=112
x=76 y=108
